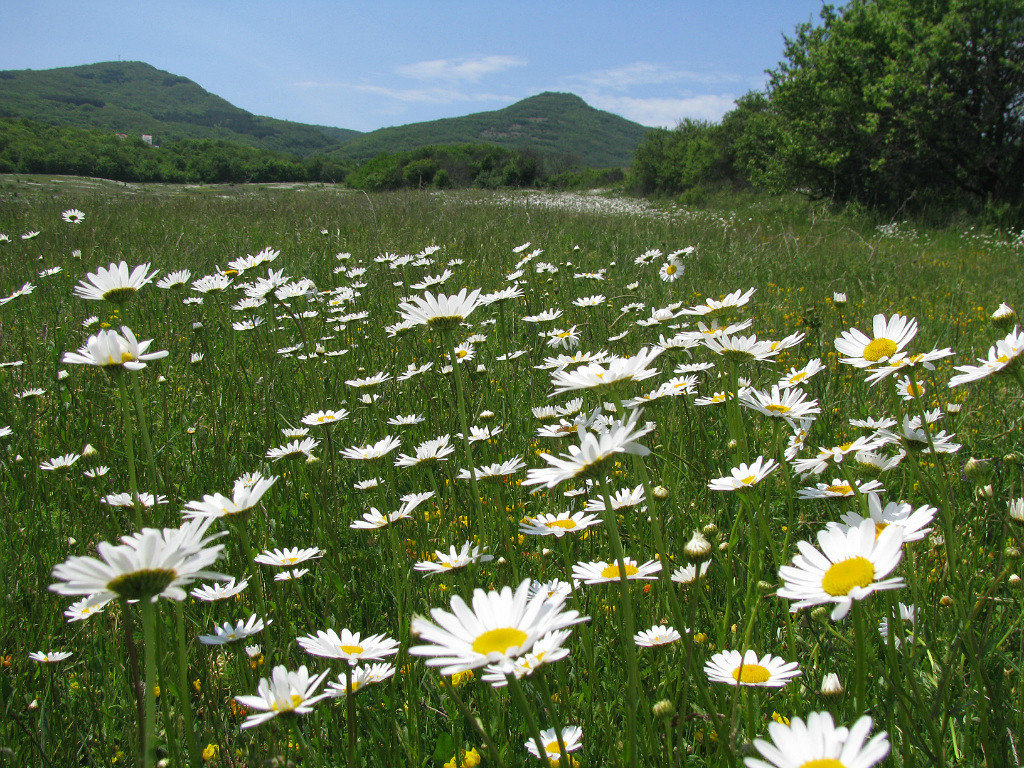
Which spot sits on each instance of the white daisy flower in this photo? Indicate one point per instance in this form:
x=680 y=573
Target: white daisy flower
x=283 y=692
x=600 y=572
x=734 y=668
x=229 y=633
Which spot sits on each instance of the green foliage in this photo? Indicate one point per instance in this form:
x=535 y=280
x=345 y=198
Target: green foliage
x=550 y=124
x=446 y=166
x=28 y=147
x=696 y=153
x=131 y=97
x=894 y=102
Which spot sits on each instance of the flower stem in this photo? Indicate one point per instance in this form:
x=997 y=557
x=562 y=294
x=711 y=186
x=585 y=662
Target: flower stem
x=149 y=651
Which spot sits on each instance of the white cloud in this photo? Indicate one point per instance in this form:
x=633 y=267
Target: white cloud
x=646 y=73
x=471 y=69
x=664 y=112
x=409 y=95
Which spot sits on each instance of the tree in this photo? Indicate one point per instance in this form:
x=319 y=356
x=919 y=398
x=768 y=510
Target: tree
x=896 y=101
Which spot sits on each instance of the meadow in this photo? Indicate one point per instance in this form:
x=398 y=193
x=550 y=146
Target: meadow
x=708 y=540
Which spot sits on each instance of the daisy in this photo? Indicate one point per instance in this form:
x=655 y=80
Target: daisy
x=745 y=476
x=498 y=628
x=593 y=450
x=1004 y=353
x=557 y=524
x=797 y=376
x=114 y=283
x=174 y=279
x=437 y=449
x=375 y=451
x=80 y=610
x=790 y=403
x=826 y=457
x=369 y=381
x=819 y=743
x=888 y=337
x=913 y=522
x=360 y=677
x=494 y=471
x=656 y=635
x=899 y=361
x=127 y=500
x=325 y=417
x=30 y=394
x=734 y=668
x=112 y=350
x=838 y=489
x=295 y=432
x=281 y=558
x=283 y=693
x=712 y=307
x=60 y=462
x=547 y=316
x=145 y=566
x=305 y=447
x=30 y=235
x=406 y=421
x=439 y=311
x=480 y=434
x=687 y=574
x=564 y=338
x=670 y=271
x=211 y=592
x=348 y=646
x=292 y=575
x=228 y=633
x=245 y=496
x=571 y=737
x=600 y=572
x=621 y=498
x=852 y=564
x=365 y=485
x=50 y=657
x=454 y=559
x=618 y=369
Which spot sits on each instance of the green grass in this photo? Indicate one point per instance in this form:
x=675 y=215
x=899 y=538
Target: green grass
x=951 y=695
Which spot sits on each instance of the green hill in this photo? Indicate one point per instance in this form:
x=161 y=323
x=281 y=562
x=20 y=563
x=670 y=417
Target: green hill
x=549 y=124
x=133 y=98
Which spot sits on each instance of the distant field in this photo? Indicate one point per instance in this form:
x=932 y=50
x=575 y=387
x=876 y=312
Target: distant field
x=946 y=688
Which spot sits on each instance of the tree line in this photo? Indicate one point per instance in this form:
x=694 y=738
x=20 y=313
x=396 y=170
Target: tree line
x=897 y=105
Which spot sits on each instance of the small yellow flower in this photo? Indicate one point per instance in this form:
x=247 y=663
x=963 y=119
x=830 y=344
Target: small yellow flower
x=469 y=759
x=461 y=678
x=210 y=752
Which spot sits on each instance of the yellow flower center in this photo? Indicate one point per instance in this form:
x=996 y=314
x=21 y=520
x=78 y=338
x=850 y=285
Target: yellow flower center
x=879 y=348
x=287 y=706
x=142 y=584
x=566 y=524
x=499 y=640
x=1003 y=359
x=613 y=572
x=845 y=447
x=351 y=649
x=671 y=269
x=841 y=488
x=751 y=674
x=798 y=377
x=823 y=762
x=552 y=746
x=853 y=572
x=462 y=353
x=749 y=480
x=776 y=408
x=879 y=527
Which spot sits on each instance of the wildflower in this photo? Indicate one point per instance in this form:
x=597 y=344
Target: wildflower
x=819 y=743
x=745 y=476
x=558 y=524
x=284 y=692
x=73 y=216
x=454 y=558
x=360 y=678
x=830 y=685
x=50 y=657
x=600 y=572
x=571 y=738
x=245 y=496
x=734 y=668
x=294 y=448
x=499 y=628
x=851 y=565
x=228 y=633
x=112 y=351
x=888 y=337
x=114 y=283
x=656 y=635
x=375 y=451
x=211 y=592
x=441 y=311
x=280 y=558
x=349 y=646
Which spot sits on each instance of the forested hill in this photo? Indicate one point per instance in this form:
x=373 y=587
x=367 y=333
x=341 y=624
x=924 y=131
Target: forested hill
x=551 y=124
x=134 y=98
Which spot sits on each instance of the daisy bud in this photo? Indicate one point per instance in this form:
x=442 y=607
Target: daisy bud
x=984 y=492
x=1012 y=551
x=312 y=459
x=723 y=547
x=698 y=547
x=945 y=601
x=34 y=704
x=710 y=529
x=1003 y=316
x=974 y=468
x=953 y=407
x=663 y=709
x=830 y=685
x=88 y=451
x=839 y=299
x=72 y=542
x=1013 y=580
x=485 y=415
x=820 y=613
x=1017 y=510
x=660 y=492
x=765 y=588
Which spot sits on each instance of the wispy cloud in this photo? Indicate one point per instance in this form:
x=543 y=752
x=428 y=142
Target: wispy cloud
x=467 y=69
x=665 y=112
x=407 y=95
x=641 y=73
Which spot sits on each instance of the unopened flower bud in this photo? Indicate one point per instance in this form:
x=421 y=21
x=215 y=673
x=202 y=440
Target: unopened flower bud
x=1012 y=551
x=710 y=529
x=839 y=299
x=1013 y=580
x=830 y=685
x=1004 y=315
x=723 y=547
x=698 y=547
x=974 y=468
x=486 y=415
x=765 y=587
x=820 y=613
x=660 y=492
x=663 y=709
x=945 y=601
x=1016 y=508
x=88 y=451
x=984 y=491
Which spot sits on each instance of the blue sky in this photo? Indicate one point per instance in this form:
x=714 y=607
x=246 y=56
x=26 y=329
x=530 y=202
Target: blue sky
x=364 y=65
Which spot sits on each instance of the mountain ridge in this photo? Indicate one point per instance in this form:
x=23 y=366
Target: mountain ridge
x=136 y=98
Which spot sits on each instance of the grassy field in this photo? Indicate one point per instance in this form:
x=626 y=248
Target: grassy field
x=946 y=687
